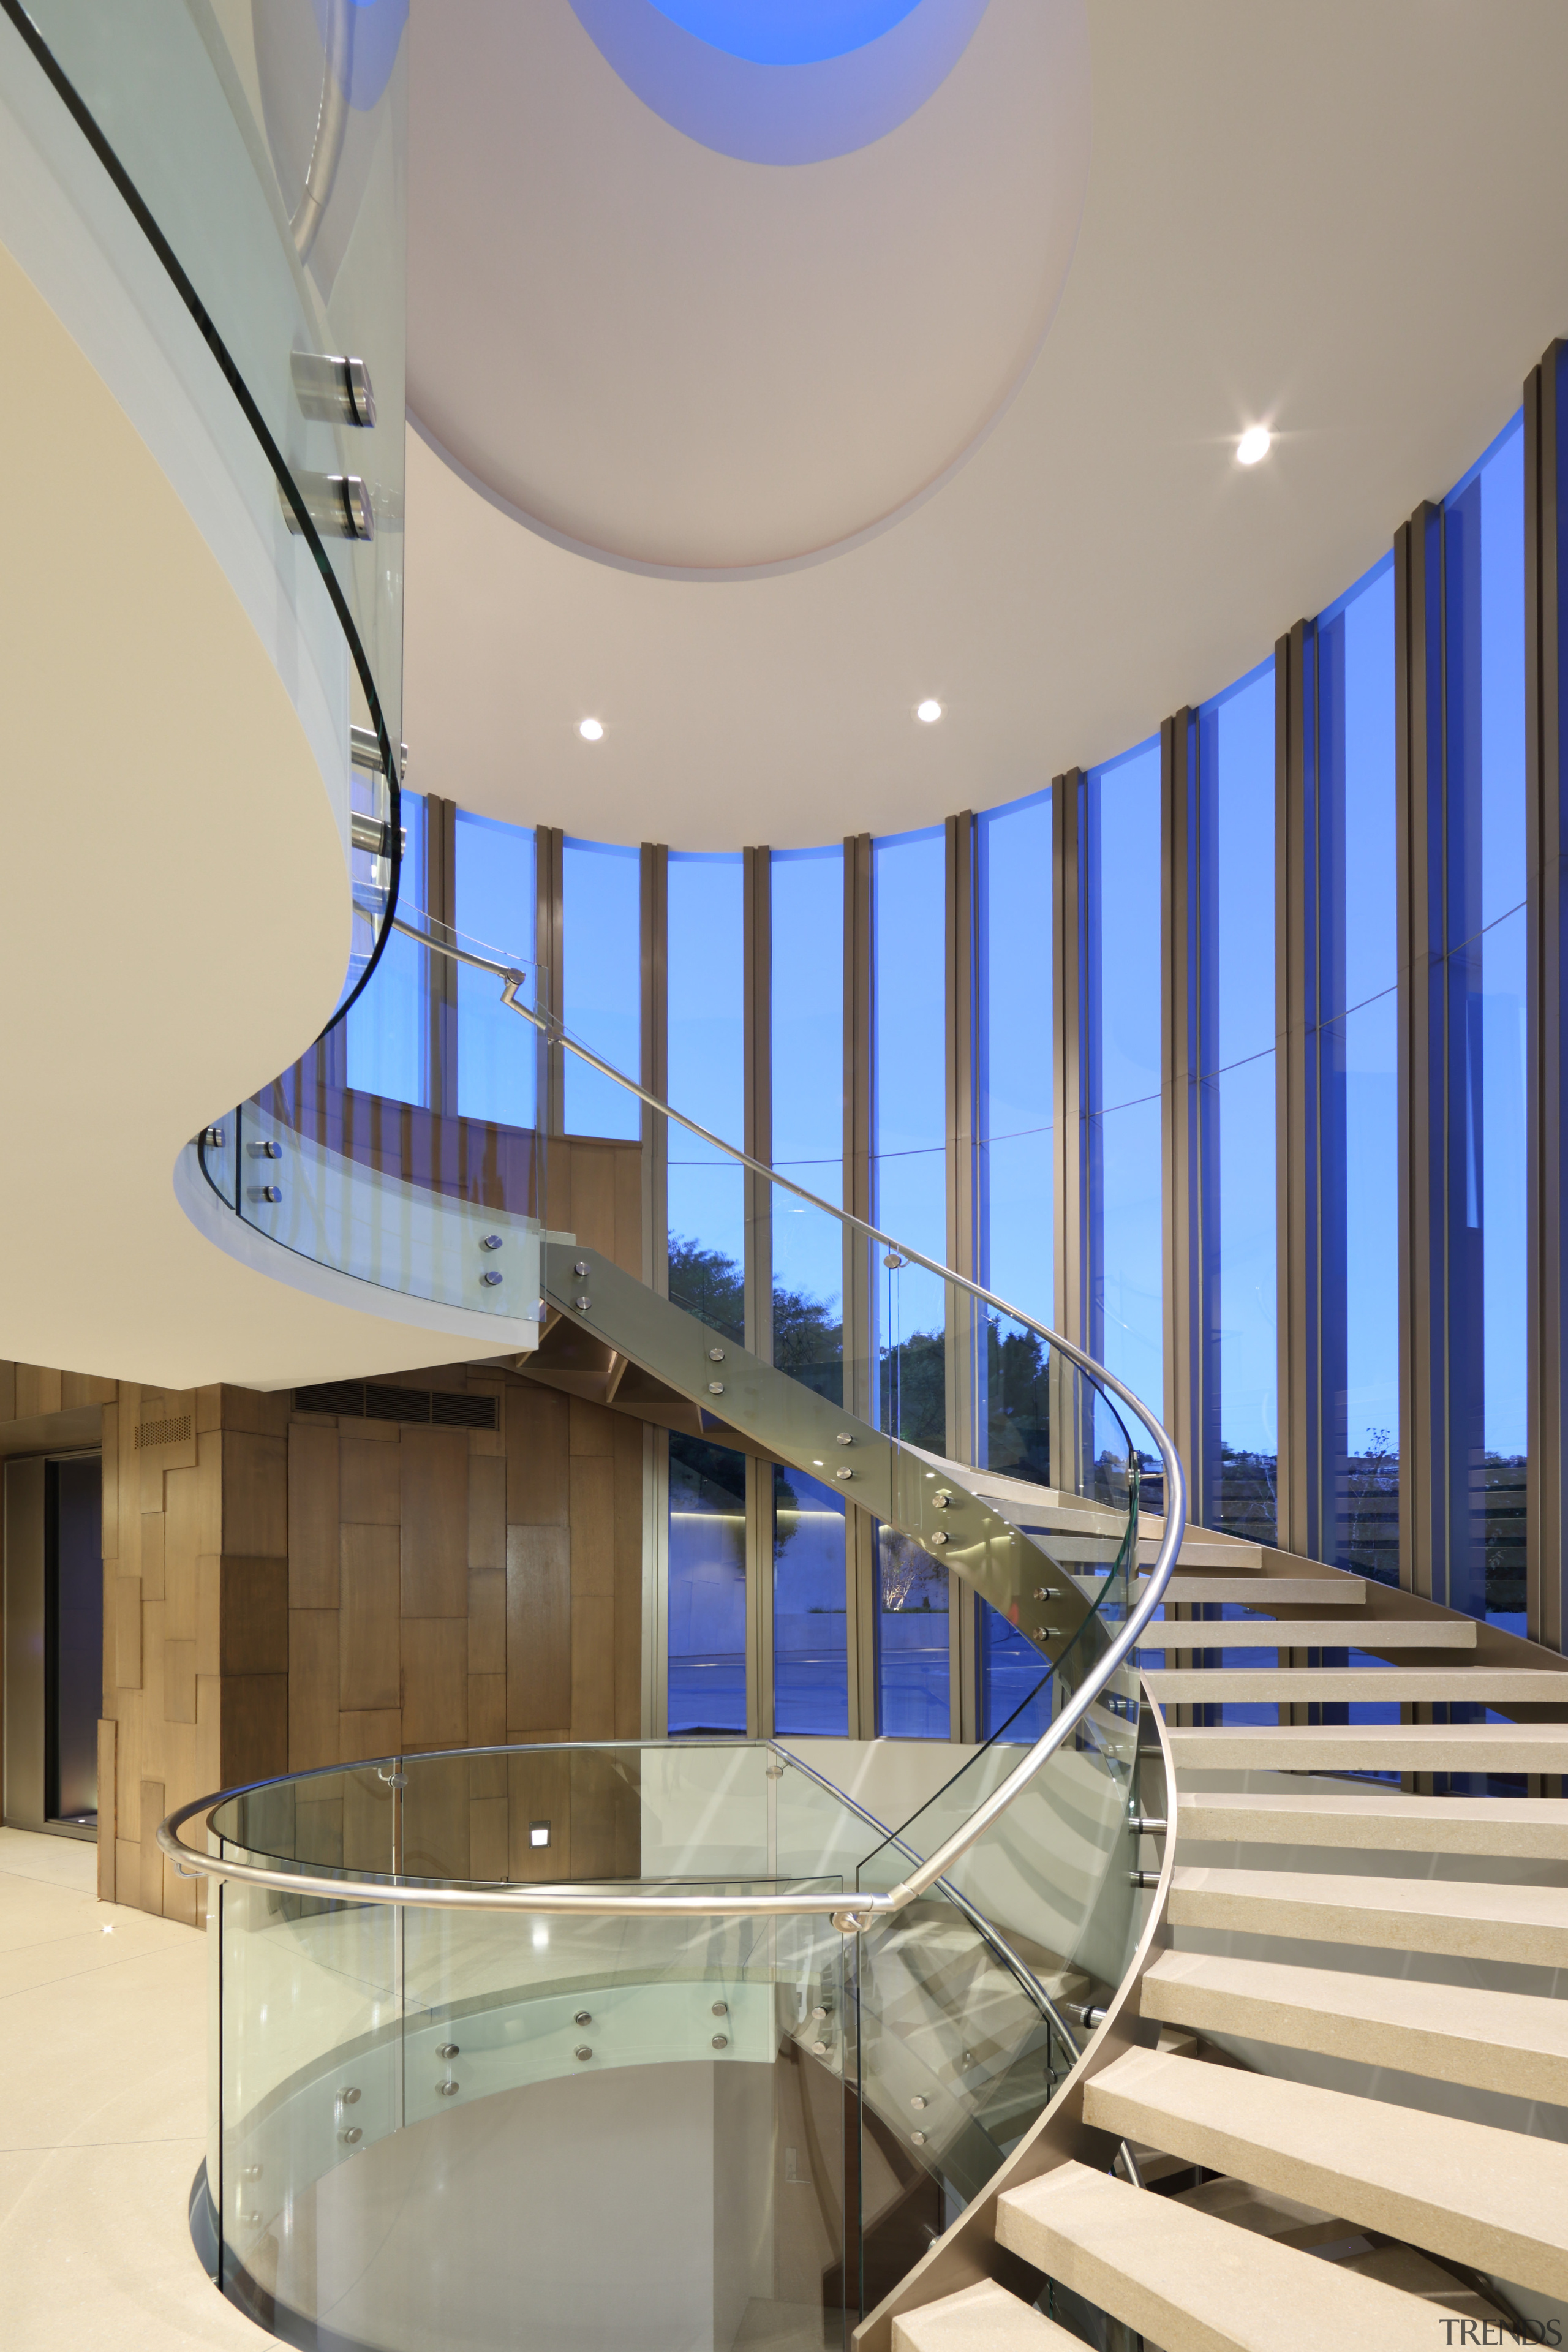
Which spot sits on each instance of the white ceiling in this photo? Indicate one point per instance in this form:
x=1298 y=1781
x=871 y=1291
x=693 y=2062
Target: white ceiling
x=1347 y=221
x=713 y=364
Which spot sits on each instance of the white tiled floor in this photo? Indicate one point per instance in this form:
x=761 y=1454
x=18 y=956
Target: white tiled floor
x=102 y=2098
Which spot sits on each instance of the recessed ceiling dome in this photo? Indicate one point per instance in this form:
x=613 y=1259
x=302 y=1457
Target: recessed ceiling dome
x=719 y=286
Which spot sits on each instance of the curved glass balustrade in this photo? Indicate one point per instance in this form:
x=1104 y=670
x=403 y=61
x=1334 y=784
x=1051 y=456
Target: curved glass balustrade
x=435 y=2119
x=261 y=149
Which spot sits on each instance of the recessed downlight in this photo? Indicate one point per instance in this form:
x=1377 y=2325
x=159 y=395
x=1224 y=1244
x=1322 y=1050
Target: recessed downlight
x=929 y=710
x=1253 y=445
x=590 y=730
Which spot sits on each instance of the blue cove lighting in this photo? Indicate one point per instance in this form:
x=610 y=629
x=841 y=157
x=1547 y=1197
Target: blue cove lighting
x=785 y=32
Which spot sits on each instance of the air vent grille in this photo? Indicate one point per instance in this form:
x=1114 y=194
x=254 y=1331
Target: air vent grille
x=364 y=1399
x=176 y=1431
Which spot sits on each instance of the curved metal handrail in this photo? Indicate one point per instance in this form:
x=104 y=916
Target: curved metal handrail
x=856 y=1916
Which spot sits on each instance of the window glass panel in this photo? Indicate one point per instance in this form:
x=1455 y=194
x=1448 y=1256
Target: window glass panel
x=496 y=905
x=1358 y=946
x=912 y=1640
x=811 y=1649
x=1360 y=1261
x=707 y=1657
x=1128 y=1296
x=705 y=964
x=1237 y=1106
x=1236 y=848
x=807 y=909
x=1013 y=1055
x=602 y=984
x=909 y=1127
x=1483 y=554
x=1357 y=1078
x=1123 y=1244
x=1013 y=1050
x=389 y=1026
x=1483 y=524
x=1239 y=1138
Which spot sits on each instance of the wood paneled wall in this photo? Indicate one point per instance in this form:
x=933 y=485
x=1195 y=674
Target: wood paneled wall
x=284 y=1590
x=196 y=1619
x=287 y=1589
x=28 y=1390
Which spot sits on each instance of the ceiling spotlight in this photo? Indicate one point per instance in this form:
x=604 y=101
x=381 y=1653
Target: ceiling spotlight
x=591 y=729
x=1253 y=445
x=929 y=711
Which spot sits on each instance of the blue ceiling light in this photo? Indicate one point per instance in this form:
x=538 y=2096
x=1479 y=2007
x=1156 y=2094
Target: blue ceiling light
x=787 y=32
x=782 y=81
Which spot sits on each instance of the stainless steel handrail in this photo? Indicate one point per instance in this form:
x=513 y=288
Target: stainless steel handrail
x=852 y=1918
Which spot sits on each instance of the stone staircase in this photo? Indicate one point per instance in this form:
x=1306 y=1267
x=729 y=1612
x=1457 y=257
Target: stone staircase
x=1339 y=2060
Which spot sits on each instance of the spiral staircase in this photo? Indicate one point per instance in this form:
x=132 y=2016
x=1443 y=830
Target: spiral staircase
x=1338 y=2065
x=1340 y=2058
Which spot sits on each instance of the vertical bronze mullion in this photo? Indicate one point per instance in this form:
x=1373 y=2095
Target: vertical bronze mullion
x=757 y=1138
x=1300 y=1525
x=962 y=1400
x=655 y=902
x=860 y=1547
x=1070 y=1256
x=963 y=1324
x=1180 y=1210
x=549 y=927
x=859 y=1092
x=1545 y=1029
x=1422 y=1092
x=441 y=907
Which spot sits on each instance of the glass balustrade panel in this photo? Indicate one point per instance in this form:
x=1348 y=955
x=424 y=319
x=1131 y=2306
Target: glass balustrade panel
x=268 y=146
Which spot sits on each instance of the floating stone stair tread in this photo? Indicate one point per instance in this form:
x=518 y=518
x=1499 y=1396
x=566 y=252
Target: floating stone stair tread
x=984 y=2318
x=1377 y=1635
x=1470 y=1919
x=1465 y=1686
x=1496 y=2200
x=1191 y=2282
x=1373 y=1747
x=1453 y=2033
x=1510 y=1828
x=1270 y=1591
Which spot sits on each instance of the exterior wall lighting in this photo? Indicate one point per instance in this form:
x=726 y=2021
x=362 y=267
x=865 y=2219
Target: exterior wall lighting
x=1253 y=445
x=929 y=711
x=590 y=730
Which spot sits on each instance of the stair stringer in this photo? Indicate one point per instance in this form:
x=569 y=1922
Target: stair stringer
x=1006 y=1566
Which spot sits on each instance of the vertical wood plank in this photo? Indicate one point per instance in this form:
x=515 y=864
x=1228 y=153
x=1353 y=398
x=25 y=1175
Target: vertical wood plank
x=538 y=1629
x=150 y=1894
x=487 y=1510
x=128 y=1632
x=108 y=1811
x=254 y=1617
x=369 y=1663
x=254 y=1727
x=370 y=1482
x=255 y=1496
x=434 y=1546
x=312 y=1516
x=435 y=1681
x=536 y=1458
x=313 y=1688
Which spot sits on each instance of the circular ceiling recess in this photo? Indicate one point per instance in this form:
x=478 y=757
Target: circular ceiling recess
x=716 y=287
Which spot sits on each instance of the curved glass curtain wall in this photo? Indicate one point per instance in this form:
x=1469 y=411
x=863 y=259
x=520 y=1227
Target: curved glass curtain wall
x=780 y=2115
x=262 y=150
